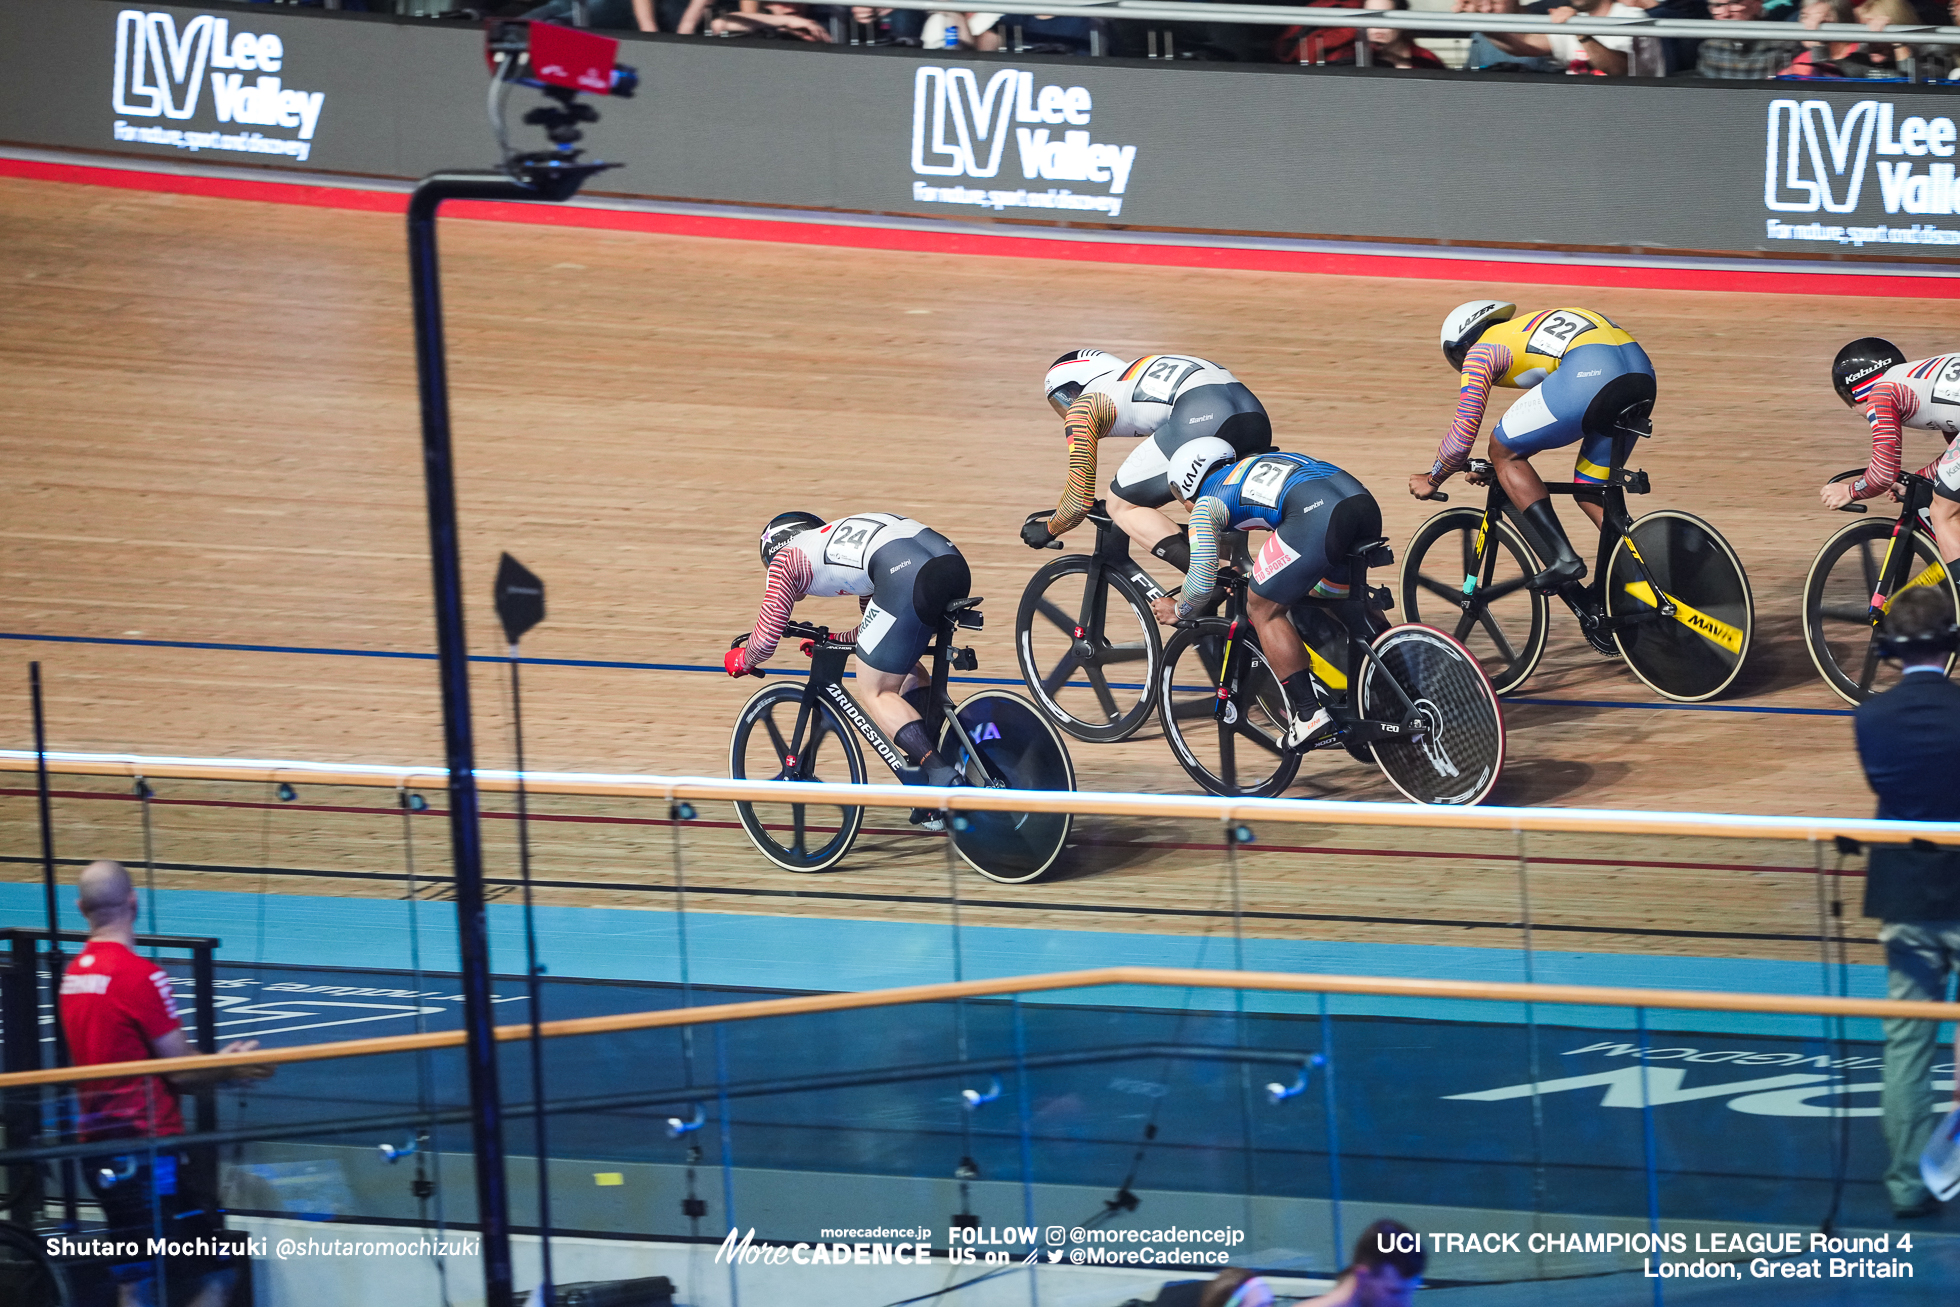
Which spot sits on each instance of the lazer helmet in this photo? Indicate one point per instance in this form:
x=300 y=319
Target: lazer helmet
x=1469 y=321
x=783 y=528
x=1074 y=371
x=1193 y=462
x=1861 y=363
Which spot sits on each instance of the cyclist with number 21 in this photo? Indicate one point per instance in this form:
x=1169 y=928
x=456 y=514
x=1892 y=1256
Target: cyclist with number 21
x=1577 y=365
x=1895 y=394
x=904 y=574
x=1169 y=400
x=1316 y=514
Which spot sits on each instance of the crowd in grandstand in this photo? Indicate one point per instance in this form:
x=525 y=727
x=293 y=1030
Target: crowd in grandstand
x=1501 y=51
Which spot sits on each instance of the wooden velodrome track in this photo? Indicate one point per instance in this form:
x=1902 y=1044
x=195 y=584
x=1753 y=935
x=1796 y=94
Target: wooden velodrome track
x=211 y=435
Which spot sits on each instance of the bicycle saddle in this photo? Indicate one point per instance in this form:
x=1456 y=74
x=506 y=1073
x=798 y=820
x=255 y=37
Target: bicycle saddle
x=1373 y=553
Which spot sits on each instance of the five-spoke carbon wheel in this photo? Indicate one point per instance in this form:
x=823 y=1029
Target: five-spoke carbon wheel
x=766 y=747
x=1088 y=652
x=1233 y=748
x=1837 y=600
x=1695 y=653
x=1487 y=609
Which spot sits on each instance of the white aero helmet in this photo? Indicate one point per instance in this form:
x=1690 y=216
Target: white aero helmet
x=1469 y=321
x=1194 y=460
x=1075 y=371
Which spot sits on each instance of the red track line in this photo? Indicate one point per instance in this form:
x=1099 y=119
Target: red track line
x=717 y=227
x=589 y=820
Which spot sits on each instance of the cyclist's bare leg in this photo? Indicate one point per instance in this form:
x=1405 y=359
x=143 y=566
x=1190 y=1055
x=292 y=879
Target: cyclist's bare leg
x=1526 y=489
x=1145 y=526
x=1281 y=644
x=883 y=696
x=1946 y=527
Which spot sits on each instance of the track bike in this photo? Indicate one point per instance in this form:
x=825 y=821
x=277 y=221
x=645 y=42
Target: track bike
x=815 y=731
x=1669 y=591
x=1070 y=611
x=1409 y=699
x=1855 y=578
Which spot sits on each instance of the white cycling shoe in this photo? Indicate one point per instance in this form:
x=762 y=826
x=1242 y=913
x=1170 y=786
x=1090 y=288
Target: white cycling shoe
x=1303 y=733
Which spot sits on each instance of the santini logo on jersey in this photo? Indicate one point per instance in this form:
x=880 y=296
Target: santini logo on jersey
x=1816 y=161
x=160 y=73
x=960 y=130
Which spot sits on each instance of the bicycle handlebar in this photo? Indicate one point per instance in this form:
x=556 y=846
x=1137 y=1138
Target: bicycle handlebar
x=799 y=631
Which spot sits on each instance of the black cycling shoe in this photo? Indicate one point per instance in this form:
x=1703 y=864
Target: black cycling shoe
x=1560 y=574
x=934 y=819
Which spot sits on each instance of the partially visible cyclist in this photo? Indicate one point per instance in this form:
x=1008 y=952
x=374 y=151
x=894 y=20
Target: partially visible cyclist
x=1169 y=400
x=1583 y=372
x=1874 y=375
x=1316 y=514
x=904 y=574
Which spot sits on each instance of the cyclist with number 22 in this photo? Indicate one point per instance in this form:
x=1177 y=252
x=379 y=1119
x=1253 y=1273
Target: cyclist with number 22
x=1895 y=394
x=904 y=574
x=1169 y=400
x=1577 y=364
x=1316 y=514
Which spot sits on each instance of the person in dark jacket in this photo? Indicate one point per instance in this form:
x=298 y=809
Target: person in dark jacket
x=1909 y=743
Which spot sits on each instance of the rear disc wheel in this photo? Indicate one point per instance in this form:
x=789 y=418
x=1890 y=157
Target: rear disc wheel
x=1423 y=676
x=1022 y=750
x=1696 y=653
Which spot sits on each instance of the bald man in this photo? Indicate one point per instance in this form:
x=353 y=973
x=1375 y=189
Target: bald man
x=117 y=1007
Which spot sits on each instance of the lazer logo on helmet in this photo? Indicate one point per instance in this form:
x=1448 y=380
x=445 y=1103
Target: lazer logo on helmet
x=160 y=73
x=960 y=129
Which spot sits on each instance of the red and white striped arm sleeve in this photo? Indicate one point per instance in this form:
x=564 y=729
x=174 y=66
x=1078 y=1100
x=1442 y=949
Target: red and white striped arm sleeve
x=788 y=581
x=1889 y=405
x=1482 y=366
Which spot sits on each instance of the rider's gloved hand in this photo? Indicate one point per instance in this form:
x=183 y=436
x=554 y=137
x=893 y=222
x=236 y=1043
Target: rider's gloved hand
x=1034 y=534
x=735 y=663
x=809 y=648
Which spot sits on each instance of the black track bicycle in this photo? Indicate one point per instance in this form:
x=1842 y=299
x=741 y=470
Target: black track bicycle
x=1668 y=591
x=815 y=731
x=1085 y=637
x=1855 y=578
x=1409 y=699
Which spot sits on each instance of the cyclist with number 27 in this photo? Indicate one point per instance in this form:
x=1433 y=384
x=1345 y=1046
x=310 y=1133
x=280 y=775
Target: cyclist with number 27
x=1316 y=514
x=1578 y=366
x=904 y=574
x=1924 y=394
x=1169 y=400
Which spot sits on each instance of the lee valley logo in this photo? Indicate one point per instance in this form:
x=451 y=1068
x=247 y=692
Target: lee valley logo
x=960 y=130
x=1817 y=162
x=160 y=73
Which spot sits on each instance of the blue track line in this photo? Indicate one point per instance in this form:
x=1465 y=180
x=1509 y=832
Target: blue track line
x=319 y=651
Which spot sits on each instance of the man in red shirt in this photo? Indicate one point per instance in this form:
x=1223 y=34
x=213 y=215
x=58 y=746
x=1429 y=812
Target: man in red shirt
x=117 y=1007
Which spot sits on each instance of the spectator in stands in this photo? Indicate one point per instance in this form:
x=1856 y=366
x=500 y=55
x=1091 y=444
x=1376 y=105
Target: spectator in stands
x=770 y=18
x=116 y=1007
x=1608 y=56
x=1909 y=743
x=1395 y=47
x=1852 y=58
x=1234 y=1287
x=1742 y=60
x=891 y=26
x=1386 y=1271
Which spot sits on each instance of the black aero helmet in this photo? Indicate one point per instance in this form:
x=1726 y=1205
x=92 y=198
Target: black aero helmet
x=783 y=528
x=1861 y=363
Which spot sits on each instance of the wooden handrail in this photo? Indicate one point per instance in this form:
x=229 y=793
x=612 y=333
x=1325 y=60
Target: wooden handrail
x=1588 y=821
x=1178 y=977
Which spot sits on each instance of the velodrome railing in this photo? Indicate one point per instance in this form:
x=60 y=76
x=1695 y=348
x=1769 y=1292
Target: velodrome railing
x=1565 y=1148
x=1285 y=884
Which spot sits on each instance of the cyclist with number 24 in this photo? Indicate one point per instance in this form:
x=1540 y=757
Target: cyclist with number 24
x=904 y=574
x=1316 y=514
x=1895 y=394
x=1169 y=400
x=1577 y=365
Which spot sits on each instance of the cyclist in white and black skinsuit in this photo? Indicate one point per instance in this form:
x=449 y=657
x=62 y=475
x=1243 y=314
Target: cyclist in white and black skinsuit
x=904 y=574
x=1168 y=399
